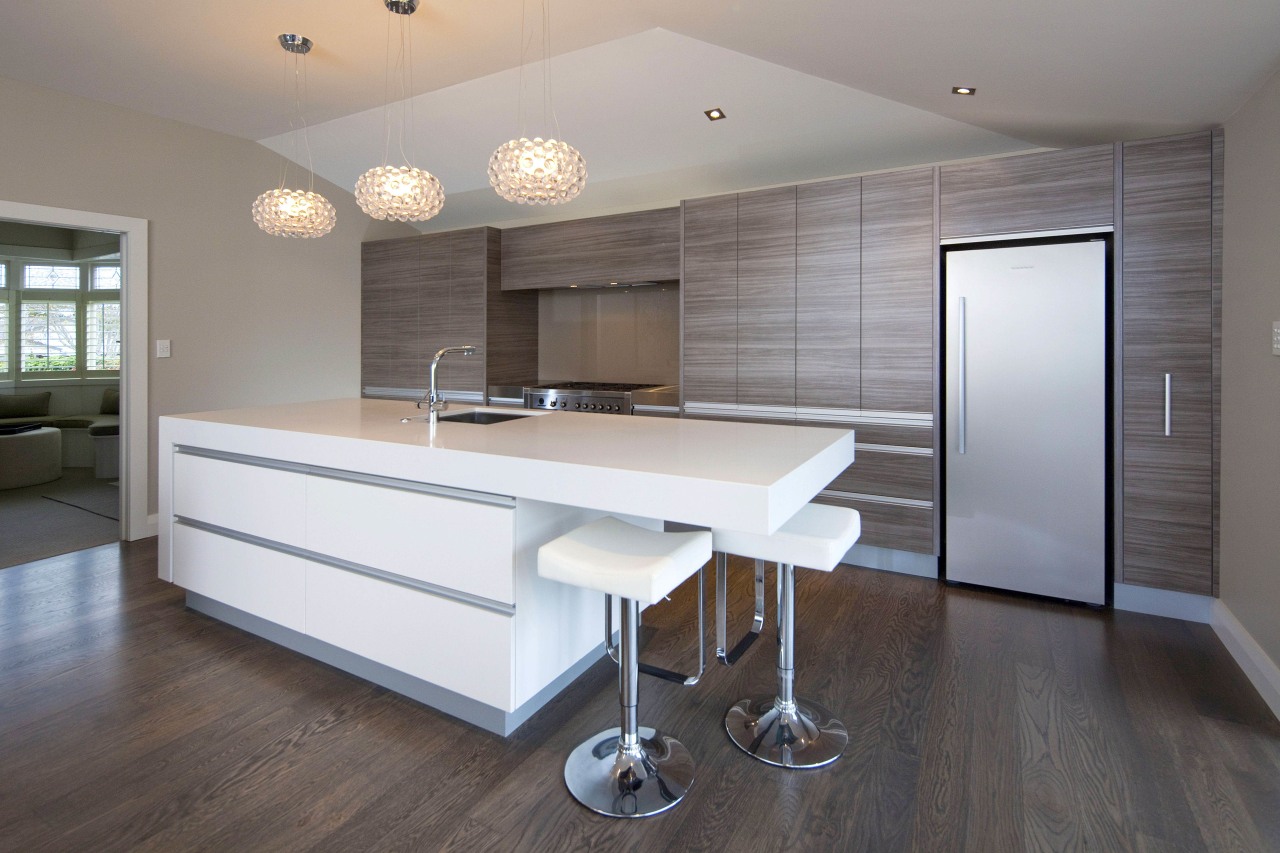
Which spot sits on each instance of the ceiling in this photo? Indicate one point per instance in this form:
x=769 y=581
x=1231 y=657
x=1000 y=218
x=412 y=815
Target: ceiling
x=812 y=88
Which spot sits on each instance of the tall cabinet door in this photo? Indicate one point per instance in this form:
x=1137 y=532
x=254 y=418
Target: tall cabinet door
x=829 y=294
x=1168 y=363
x=466 y=310
x=767 y=297
x=710 y=294
x=898 y=246
x=390 y=356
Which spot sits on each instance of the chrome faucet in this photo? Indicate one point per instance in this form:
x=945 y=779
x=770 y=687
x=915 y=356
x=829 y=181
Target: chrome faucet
x=436 y=403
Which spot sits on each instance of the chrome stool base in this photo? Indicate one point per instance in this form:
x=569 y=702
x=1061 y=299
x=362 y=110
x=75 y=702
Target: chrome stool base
x=615 y=783
x=805 y=737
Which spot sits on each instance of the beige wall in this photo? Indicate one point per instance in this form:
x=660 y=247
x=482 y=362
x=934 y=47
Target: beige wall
x=626 y=334
x=253 y=318
x=1250 y=569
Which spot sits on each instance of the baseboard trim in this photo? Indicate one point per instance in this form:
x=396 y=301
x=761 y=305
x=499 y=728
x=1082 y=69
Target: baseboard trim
x=890 y=560
x=1257 y=665
x=1163 y=602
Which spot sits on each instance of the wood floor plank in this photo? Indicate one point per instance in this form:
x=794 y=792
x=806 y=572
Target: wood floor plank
x=978 y=722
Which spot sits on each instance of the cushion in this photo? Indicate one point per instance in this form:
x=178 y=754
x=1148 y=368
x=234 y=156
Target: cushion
x=110 y=402
x=14 y=429
x=25 y=405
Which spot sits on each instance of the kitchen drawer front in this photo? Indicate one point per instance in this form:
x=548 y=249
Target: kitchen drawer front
x=462 y=648
x=895 y=475
x=454 y=543
x=261 y=501
x=882 y=435
x=256 y=580
x=888 y=525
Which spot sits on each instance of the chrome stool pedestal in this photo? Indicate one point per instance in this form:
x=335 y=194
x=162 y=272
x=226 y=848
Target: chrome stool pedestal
x=781 y=729
x=627 y=771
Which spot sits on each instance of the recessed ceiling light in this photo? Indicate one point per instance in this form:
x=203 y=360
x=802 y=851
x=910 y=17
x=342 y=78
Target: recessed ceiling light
x=963 y=90
x=715 y=114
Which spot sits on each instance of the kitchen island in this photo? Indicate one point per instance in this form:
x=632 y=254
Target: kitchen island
x=406 y=553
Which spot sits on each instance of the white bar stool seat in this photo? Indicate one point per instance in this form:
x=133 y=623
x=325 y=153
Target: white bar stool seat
x=627 y=771
x=783 y=730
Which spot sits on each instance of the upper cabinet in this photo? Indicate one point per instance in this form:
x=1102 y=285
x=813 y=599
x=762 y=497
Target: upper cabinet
x=709 y=295
x=1049 y=190
x=420 y=294
x=767 y=297
x=899 y=260
x=627 y=248
x=771 y=297
x=828 y=324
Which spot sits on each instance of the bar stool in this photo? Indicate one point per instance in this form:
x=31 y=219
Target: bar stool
x=629 y=770
x=781 y=729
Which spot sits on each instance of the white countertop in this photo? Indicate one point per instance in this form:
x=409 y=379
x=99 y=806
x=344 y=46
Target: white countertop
x=712 y=473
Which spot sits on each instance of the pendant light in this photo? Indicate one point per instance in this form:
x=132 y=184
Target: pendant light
x=538 y=171
x=295 y=213
x=403 y=193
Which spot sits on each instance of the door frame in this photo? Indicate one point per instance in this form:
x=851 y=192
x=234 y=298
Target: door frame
x=135 y=520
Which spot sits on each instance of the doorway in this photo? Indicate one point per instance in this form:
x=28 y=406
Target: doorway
x=133 y=440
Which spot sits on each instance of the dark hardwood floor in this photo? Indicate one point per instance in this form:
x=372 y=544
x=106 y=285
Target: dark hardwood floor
x=978 y=722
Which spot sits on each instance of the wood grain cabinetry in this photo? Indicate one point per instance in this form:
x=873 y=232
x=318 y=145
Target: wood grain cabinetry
x=1168 y=406
x=767 y=297
x=899 y=251
x=419 y=294
x=829 y=293
x=629 y=247
x=1048 y=190
x=709 y=297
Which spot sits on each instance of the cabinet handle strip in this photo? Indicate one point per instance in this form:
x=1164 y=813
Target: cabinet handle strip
x=960 y=401
x=1168 y=404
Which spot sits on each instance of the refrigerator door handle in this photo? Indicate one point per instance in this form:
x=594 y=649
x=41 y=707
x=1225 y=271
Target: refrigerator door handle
x=1168 y=404
x=960 y=392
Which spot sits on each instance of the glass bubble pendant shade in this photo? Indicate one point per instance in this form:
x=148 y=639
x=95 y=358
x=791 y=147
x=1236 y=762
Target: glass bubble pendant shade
x=537 y=171
x=294 y=213
x=400 y=193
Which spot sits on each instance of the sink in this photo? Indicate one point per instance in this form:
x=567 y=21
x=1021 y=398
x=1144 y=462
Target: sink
x=477 y=417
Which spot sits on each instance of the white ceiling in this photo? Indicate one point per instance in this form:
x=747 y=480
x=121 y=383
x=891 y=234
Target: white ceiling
x=812 y=88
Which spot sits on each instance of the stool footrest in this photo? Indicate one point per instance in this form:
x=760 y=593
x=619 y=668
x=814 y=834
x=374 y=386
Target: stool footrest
x=657 y=671
x=728 y=658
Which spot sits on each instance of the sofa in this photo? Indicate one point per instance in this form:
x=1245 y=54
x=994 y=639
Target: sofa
x=77 y=451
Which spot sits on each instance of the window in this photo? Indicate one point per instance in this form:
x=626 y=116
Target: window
x=59 y=320
x=48 y=277
x=102 y=335
x=4 y=337
x=48 y=337
x=105 y=277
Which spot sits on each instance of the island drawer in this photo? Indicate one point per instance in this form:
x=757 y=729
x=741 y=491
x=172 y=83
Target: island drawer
x=450 y=542
x=254 y=499
x=461 y=647
x=256 y=580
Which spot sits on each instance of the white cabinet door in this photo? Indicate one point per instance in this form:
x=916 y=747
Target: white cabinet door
x=452 y=543
x=457 y=646
x=256 y=580
x=264 y=502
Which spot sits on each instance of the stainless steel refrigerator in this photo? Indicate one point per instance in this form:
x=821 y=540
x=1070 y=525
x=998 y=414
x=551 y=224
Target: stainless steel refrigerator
x=1027 y=417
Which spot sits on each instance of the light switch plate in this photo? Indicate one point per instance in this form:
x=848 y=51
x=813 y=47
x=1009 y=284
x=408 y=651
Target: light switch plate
x=163 y=349
x=1275 y=338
